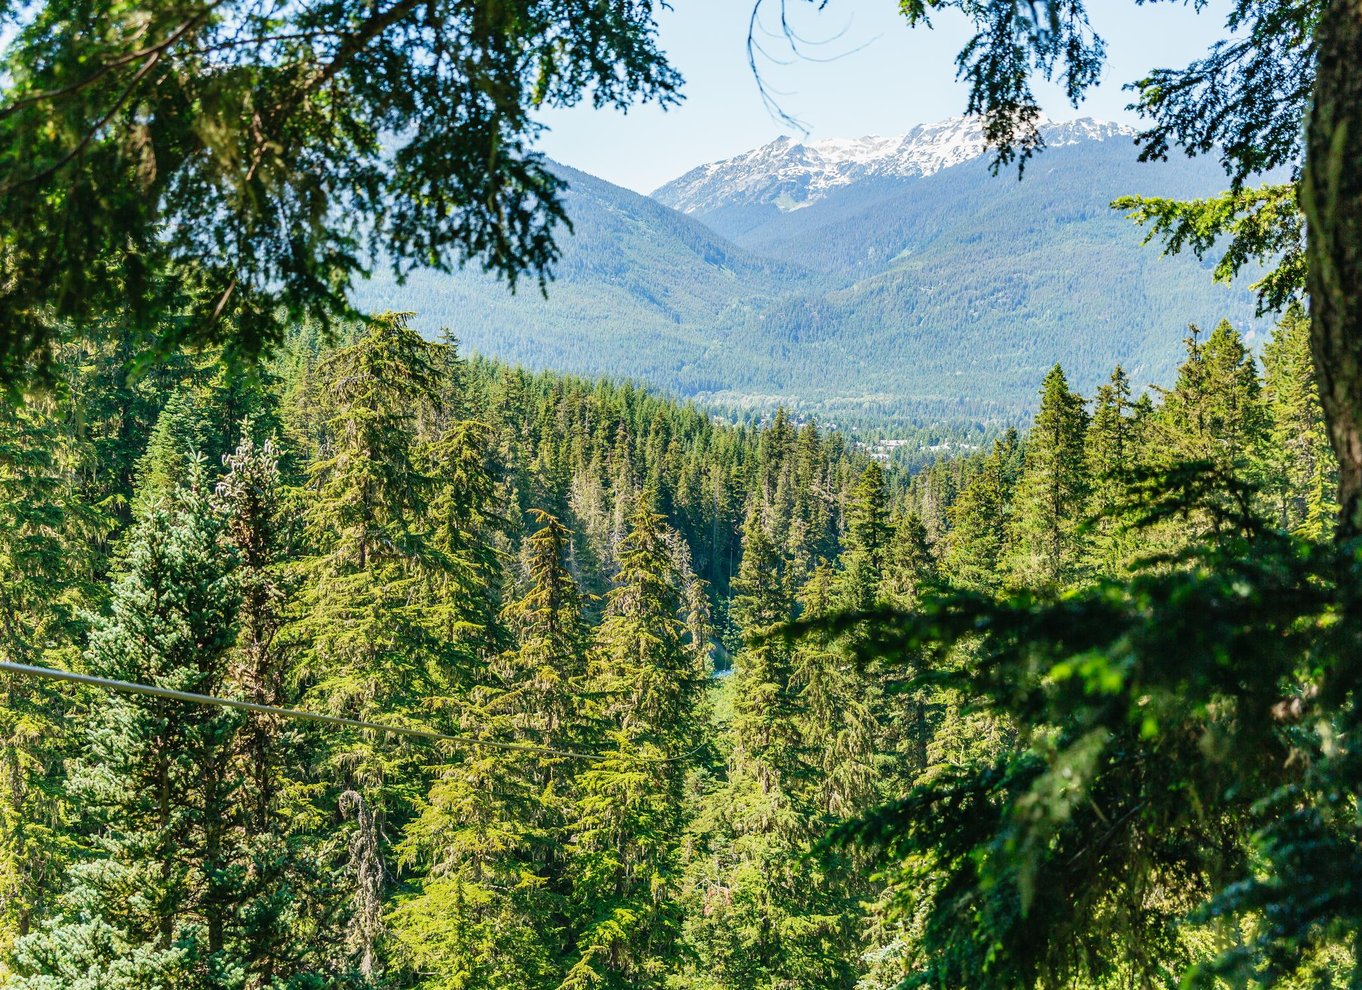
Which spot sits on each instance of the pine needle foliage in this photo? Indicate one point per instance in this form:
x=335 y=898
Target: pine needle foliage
x=1138 y=824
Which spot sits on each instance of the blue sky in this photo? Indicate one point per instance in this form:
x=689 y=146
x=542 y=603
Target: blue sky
x=876 y=76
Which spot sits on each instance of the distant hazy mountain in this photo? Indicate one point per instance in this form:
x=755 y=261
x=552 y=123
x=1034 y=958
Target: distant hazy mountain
x=639 y=292
x=878 y=278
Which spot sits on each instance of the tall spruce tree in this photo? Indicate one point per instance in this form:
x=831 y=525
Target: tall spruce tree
x=546 y=677
x=764 y=706
x=485 y=906
x=463 y=571
x=868 y=538
x=1043 y=544
x=1213 y=412
x=911 y=567
x=155 y=902
x=1212 y=425
x=911 y=573
x=284 y=901
x=251 y=500
x=627 y=825
x=840 y=727
x=46 y=539
x=1301 y=463
x=978 y=518
x=1112 y=444
x=369 y=652
x=476 y=918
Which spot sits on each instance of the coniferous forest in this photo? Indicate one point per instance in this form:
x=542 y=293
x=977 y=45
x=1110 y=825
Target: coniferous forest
x=588 y=585
x=332 y=658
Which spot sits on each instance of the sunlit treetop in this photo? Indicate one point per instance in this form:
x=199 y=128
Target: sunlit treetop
x=205 y=170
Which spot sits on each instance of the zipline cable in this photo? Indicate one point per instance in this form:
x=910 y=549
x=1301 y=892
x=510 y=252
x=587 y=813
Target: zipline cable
x=415 y=732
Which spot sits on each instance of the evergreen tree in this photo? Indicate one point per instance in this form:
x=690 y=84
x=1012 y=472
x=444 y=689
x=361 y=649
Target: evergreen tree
x=1211 y=428
x=1112 y=444
x=1044 y=548
x=1301 y=462
x=911 y=567
x=477 y=918
x=365 y=623
x=155 y=903
x=868 y=540
x=177 y=440
x=45 y=538
x=764 y=706
x=250 y=499
x=484 y=909
x=839 y=721
x=113 y=411
x=547 y=621
x=271 y=807
x=978 y=517
x=626 y=829
x=912 y=572
x=1213 y=413
x=463 y=571
x=204 y=418
x=590 y=523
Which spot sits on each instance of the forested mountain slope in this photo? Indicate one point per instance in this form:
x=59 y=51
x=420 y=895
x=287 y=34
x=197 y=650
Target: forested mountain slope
x=959 y=286
x=889 y=286
x=640 y=288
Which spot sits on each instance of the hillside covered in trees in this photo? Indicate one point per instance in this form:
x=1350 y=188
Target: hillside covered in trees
x=898 y=301
x=587 y=585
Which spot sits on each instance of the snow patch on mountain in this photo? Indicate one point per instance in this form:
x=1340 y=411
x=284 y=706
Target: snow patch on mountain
x=791 y=175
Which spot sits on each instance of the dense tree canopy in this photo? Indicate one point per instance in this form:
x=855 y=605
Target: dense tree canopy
x=1180 y=729
x=1039 y=712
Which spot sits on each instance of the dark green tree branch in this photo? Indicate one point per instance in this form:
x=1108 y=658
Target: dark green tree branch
x=211 y=170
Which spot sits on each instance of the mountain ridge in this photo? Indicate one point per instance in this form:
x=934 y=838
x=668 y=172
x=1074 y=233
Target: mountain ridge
x=792 y=175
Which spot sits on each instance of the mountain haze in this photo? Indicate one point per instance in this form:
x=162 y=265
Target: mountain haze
x=882 y=279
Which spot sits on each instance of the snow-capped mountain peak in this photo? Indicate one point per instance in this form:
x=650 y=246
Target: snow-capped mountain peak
x=791 y=174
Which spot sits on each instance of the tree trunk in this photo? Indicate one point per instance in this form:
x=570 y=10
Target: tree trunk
x=1331 y=196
